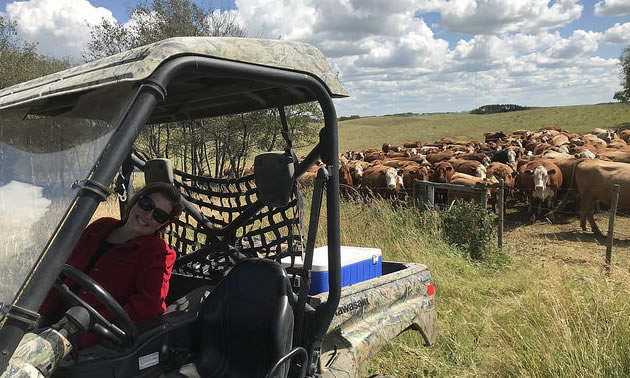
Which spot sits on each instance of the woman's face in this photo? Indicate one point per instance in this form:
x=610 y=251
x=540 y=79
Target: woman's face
x=143 y=222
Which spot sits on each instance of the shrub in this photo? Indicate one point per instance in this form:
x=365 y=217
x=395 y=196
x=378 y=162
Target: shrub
x=469 y=228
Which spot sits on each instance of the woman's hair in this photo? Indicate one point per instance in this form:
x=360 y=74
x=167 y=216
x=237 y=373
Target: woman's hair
x=167 y=190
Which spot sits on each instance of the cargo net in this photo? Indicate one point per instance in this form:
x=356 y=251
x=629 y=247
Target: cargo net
x=272 y=233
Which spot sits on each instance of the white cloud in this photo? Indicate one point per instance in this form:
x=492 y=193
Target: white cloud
x=580 y=44
x=500 y=16
x=612 y=8
x=59 y=26
x=392 y=61
x=617 y=34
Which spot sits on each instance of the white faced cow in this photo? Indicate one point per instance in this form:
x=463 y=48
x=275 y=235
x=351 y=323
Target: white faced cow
x=541 y=180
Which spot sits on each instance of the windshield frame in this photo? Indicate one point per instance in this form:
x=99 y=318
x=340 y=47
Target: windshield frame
x=149 y=94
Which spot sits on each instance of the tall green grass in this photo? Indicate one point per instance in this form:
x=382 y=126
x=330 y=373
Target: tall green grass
x=513 y=319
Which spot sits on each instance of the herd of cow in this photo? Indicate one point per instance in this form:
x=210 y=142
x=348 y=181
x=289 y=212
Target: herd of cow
x=548 y=168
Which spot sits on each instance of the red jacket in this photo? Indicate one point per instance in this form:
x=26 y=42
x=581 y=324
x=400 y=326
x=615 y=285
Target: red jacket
x=136 y=273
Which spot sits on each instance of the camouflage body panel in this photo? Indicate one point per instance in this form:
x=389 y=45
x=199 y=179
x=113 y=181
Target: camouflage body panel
x=139 y=63
x=38 y=355
x=372 y=313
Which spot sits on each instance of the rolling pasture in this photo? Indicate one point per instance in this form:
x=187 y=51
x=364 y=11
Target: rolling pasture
x=547 y=308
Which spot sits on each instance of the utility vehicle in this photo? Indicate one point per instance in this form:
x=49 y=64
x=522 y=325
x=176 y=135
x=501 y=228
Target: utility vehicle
x=239 y=302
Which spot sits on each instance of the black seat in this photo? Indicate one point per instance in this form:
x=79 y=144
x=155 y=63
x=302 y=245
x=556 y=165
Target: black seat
x=245 y=326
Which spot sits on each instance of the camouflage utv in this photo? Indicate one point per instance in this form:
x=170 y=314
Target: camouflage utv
x=239 y=303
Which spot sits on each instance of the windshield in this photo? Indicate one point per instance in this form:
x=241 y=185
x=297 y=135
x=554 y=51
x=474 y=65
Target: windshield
x=41 y=156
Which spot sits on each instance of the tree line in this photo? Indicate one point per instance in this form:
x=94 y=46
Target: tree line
x=498 y=108
x=201 y=147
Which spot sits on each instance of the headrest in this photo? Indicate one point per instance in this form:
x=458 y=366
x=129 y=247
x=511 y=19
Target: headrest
x=273 y=174
x=158 y=170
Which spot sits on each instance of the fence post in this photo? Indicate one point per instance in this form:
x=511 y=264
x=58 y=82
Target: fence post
x=484 y=198
x=611 y=223
x=431 y=194
x=501 y=210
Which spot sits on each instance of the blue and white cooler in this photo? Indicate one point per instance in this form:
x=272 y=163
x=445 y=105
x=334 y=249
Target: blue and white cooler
x=357 y=265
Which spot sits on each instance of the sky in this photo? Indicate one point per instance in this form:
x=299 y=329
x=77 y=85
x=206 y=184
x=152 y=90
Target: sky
x=398 y=56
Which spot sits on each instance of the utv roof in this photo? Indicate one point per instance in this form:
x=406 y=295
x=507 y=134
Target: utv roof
x=136 y=65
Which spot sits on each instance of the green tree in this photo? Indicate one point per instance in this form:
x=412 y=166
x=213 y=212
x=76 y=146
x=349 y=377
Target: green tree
x=624 y=60
x=19 y=60
x=207 y=146
x=155 y=20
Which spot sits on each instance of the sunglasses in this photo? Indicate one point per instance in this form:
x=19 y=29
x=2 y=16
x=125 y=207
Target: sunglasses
x=147 y=204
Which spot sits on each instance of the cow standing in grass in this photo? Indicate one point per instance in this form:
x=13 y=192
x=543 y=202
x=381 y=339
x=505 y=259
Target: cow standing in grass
x=595 y=180
x=540 y=181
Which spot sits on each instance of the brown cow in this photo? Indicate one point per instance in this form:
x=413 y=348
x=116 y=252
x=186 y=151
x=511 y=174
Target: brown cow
x=559 y=140
x=540 y=180
x=442 y=172
x=568 y=191
x=478 y=156
x=595 y=180
x=617 y=143
x=307 y=179
x=625 y=135
x=439 y=156
x=469 y=167
x=381 y=181
x=356 y=171
x=345 y=181
x=411 y=172
x=371 y=156
x=468 y=180
x=616 y=155
x=501 y=171
x=493 y=137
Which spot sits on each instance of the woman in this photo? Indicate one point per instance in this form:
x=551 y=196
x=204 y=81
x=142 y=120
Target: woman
x=128 y=257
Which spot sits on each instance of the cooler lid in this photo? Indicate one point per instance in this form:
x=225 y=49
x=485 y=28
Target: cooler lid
x=349 y=256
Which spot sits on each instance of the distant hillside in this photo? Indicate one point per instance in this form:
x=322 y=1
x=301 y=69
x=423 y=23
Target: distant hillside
x=368 y=132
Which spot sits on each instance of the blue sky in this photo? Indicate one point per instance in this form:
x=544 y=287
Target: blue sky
x=406 y=55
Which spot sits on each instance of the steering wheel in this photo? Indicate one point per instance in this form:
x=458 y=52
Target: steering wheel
x=126 y=335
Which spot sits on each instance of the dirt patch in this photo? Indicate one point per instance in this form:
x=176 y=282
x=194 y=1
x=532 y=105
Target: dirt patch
x=563 y=241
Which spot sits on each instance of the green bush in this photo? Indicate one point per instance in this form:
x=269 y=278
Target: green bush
x=469 y=228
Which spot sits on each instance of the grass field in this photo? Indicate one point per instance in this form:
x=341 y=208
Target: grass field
x=374 y=131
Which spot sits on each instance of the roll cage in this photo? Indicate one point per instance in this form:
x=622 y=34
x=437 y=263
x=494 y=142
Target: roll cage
x=258 y=87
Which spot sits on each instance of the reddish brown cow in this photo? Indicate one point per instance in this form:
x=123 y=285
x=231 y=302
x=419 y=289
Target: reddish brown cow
x=374 y=156
x=411 y=172
x=356 y=171
x=381 y=181
x=439 y=156
x=505 y=172
x=493 y=137
x=540 y=180
x=625 y=135
x=469 y=167
x=442 y=172
x=477 y=156
x=541 y=147
x=411 y=145
x=345 y=181
x=468 y=180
